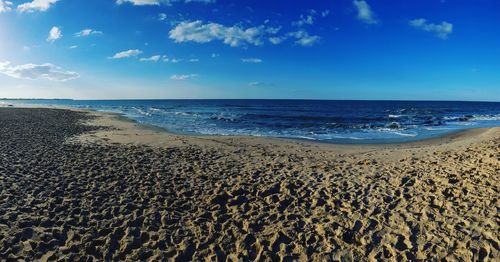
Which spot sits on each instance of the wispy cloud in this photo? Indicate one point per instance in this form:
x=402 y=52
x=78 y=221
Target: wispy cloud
x=54 y=34
x=310 y=17
x=301 y=38
x=256 y=83
x=36 y=5
x=441 y=30
x=304 y=20
x=183 y=77
x=128 y=53
x=365 y=13
x=161 y=2
x=234 y=36
x=154 y=58
x=171 y=60
x=87 y=32
x=251 y=60
x=34 y=71
x=276 y=40
x=142 y=2
x=73 y=47
x=5 y=6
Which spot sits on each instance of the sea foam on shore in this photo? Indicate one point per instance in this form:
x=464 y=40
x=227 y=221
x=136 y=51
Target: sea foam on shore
x=326 y=121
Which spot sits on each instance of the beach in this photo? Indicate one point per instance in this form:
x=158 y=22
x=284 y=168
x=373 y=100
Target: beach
x=82 y=185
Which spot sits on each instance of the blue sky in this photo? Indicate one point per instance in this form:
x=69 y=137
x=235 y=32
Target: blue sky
x=325 y=49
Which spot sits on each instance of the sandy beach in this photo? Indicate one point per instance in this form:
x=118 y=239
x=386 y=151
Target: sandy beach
x=87 y=186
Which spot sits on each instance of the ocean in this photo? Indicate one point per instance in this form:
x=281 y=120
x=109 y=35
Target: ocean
x=320 y=120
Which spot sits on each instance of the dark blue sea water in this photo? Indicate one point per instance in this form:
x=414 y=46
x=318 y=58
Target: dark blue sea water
x=329 y=121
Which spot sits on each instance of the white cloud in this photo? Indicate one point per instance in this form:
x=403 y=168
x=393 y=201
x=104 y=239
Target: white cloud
x=54 y=34
x=365 y=13
x=5 y=6
x=273 y=30
x=234 y=36
x=275 y=40
x=161 y=2
x=172 y=60
x=304 y=20
x=302 y=38
x=143 y=2
x=36 y=5
x=194 y=60
x=162 y=16
x=309 y=18
x=308 y=40
x=256 y=83
x=214 y=55
x=183 y=77
x=33 y=71
x=165 y=59
x=87 y=32
x=73 y=47
x=154 y=58
x=251 y=60
x=128 y=53
x=441 y=30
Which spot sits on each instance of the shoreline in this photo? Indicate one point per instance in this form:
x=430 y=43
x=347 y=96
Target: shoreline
x=439 y=139
x=426 y=140
x=139 y=128
x=80 y=185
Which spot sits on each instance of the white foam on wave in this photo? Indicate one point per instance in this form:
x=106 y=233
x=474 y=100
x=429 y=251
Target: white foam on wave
x=348 y=137
x=396 y=132
x=406 y=134
x=226 y=123
x=486 y=117
x=396 y=116
x=304 y=137
x=460 y=123
x=436 y=128
x=154 y=109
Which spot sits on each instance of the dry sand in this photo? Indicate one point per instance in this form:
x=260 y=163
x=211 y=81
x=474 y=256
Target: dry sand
x=71 y=191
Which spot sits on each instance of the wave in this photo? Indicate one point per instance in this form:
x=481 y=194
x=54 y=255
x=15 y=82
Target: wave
x=154 y=109
x=225 y=117
x=486 y=117
x=312 y=120
x=277 y=123
x=396 y=116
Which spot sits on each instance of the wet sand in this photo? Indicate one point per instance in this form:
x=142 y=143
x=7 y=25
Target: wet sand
x=78 y=185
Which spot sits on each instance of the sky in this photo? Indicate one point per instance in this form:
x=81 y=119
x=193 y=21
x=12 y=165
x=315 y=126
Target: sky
x=253 y=49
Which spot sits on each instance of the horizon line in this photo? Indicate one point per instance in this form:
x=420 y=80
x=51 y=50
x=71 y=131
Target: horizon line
x=268 y=99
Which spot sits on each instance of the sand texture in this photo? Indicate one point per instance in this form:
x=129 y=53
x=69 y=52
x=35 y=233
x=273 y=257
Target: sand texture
x=73 y=191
